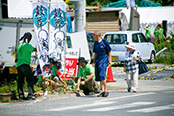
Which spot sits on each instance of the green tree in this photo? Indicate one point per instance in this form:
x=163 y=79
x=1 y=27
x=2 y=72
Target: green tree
x=164 y=2
x=102 y=2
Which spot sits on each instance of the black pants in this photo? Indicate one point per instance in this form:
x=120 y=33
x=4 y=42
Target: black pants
x=25 y=71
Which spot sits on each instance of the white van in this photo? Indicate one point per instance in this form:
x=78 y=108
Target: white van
x=119 y=39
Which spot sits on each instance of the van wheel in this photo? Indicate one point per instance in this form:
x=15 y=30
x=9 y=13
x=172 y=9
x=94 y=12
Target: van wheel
x=152 y=57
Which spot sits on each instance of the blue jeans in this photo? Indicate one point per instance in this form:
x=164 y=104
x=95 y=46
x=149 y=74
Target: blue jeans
x=25 y=71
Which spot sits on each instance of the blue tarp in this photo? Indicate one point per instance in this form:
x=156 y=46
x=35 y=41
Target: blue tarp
x=140 y=3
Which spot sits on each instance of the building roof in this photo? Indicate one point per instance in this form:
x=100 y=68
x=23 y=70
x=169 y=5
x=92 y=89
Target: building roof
x=150 y=14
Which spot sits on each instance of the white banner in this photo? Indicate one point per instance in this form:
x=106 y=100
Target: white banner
x=57 y=33
x=40 y=21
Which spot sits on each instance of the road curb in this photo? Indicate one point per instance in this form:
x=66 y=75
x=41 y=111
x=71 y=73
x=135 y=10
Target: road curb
x=53 y=97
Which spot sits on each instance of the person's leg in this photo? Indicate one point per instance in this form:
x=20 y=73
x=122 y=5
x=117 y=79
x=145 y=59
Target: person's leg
x=53 y=85
x=92 y=86
x=20 y=81
x=85 y=89
x=102 y=68
x=135 y=81
x=28 y=74
x=95 y=86
x=103 y=85
x=128 y=81
x=105 y=93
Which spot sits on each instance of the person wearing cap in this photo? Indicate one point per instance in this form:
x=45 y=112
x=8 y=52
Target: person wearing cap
x=23 y=59
x=55 y=66
x=132 y=59
x=85 y=80
x=102 y=59
x=148 y=31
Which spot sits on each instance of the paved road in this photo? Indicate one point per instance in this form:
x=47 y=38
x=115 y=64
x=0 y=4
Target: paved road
x=163 y=71
x=154 y=98
x=119 y=103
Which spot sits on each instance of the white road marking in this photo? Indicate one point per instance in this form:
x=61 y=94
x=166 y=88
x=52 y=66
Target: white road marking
x=121 y=106
x=122 y=97
x=98 y=102
x=80 y=106
x=153 y=109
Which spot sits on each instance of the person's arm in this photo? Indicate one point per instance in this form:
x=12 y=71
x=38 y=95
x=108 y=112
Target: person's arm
x=110 y=60
x=35 y=50
x=138 y=58
x=164 y=38
x=46 y=79
x=16 y=55
x=89 y=77
x=145 y=27
x=56 y=72
x=95 y=55
x=124 y=68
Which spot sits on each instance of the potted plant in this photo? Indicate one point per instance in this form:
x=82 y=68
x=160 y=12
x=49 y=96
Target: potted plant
x=7 y=91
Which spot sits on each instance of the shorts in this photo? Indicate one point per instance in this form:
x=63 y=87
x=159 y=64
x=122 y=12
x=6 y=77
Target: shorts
x=100 y=71
x=41 y=84
x=56 y=79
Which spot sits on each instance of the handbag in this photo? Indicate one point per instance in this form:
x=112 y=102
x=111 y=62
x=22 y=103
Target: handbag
x=143 y=67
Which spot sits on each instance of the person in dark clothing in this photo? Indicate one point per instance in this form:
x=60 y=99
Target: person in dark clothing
x=102 y=59
x=23 y=59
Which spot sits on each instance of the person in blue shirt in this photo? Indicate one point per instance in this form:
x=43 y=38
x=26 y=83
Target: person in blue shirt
x=102 y=59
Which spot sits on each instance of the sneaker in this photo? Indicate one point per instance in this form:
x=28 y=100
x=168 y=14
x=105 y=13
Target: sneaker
x=134 y=91
x=105 y=94
x=128 y=89
x=100 y=95
x=91 y=93
x=31 y=98
x=22 y=98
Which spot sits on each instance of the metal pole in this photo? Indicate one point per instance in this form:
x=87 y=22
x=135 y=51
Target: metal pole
x=0 y=9
x=80 y=15
x=18 y=26
x=134 y=20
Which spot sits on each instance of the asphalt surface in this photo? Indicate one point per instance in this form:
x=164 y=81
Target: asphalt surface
x=154 y=98
x=155 y=94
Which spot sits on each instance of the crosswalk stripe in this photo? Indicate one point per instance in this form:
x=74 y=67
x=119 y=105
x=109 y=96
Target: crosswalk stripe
x=153 y=109
x=121 y=106
x=80 y=106
x=122 y=97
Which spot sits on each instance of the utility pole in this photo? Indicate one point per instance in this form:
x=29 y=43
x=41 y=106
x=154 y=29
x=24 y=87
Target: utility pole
x=0 y=9
x=134 y=20
x=80 y=15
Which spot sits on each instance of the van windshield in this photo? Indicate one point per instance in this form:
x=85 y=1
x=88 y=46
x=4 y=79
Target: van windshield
x=116 y=38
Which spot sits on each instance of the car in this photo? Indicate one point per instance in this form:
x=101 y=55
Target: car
x=119 y=39
x=90 y=39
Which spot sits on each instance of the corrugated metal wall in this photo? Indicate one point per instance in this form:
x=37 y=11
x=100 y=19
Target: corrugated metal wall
x=102 y=21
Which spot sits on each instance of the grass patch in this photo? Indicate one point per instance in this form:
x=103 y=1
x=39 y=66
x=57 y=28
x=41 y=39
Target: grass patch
x=166 y=57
